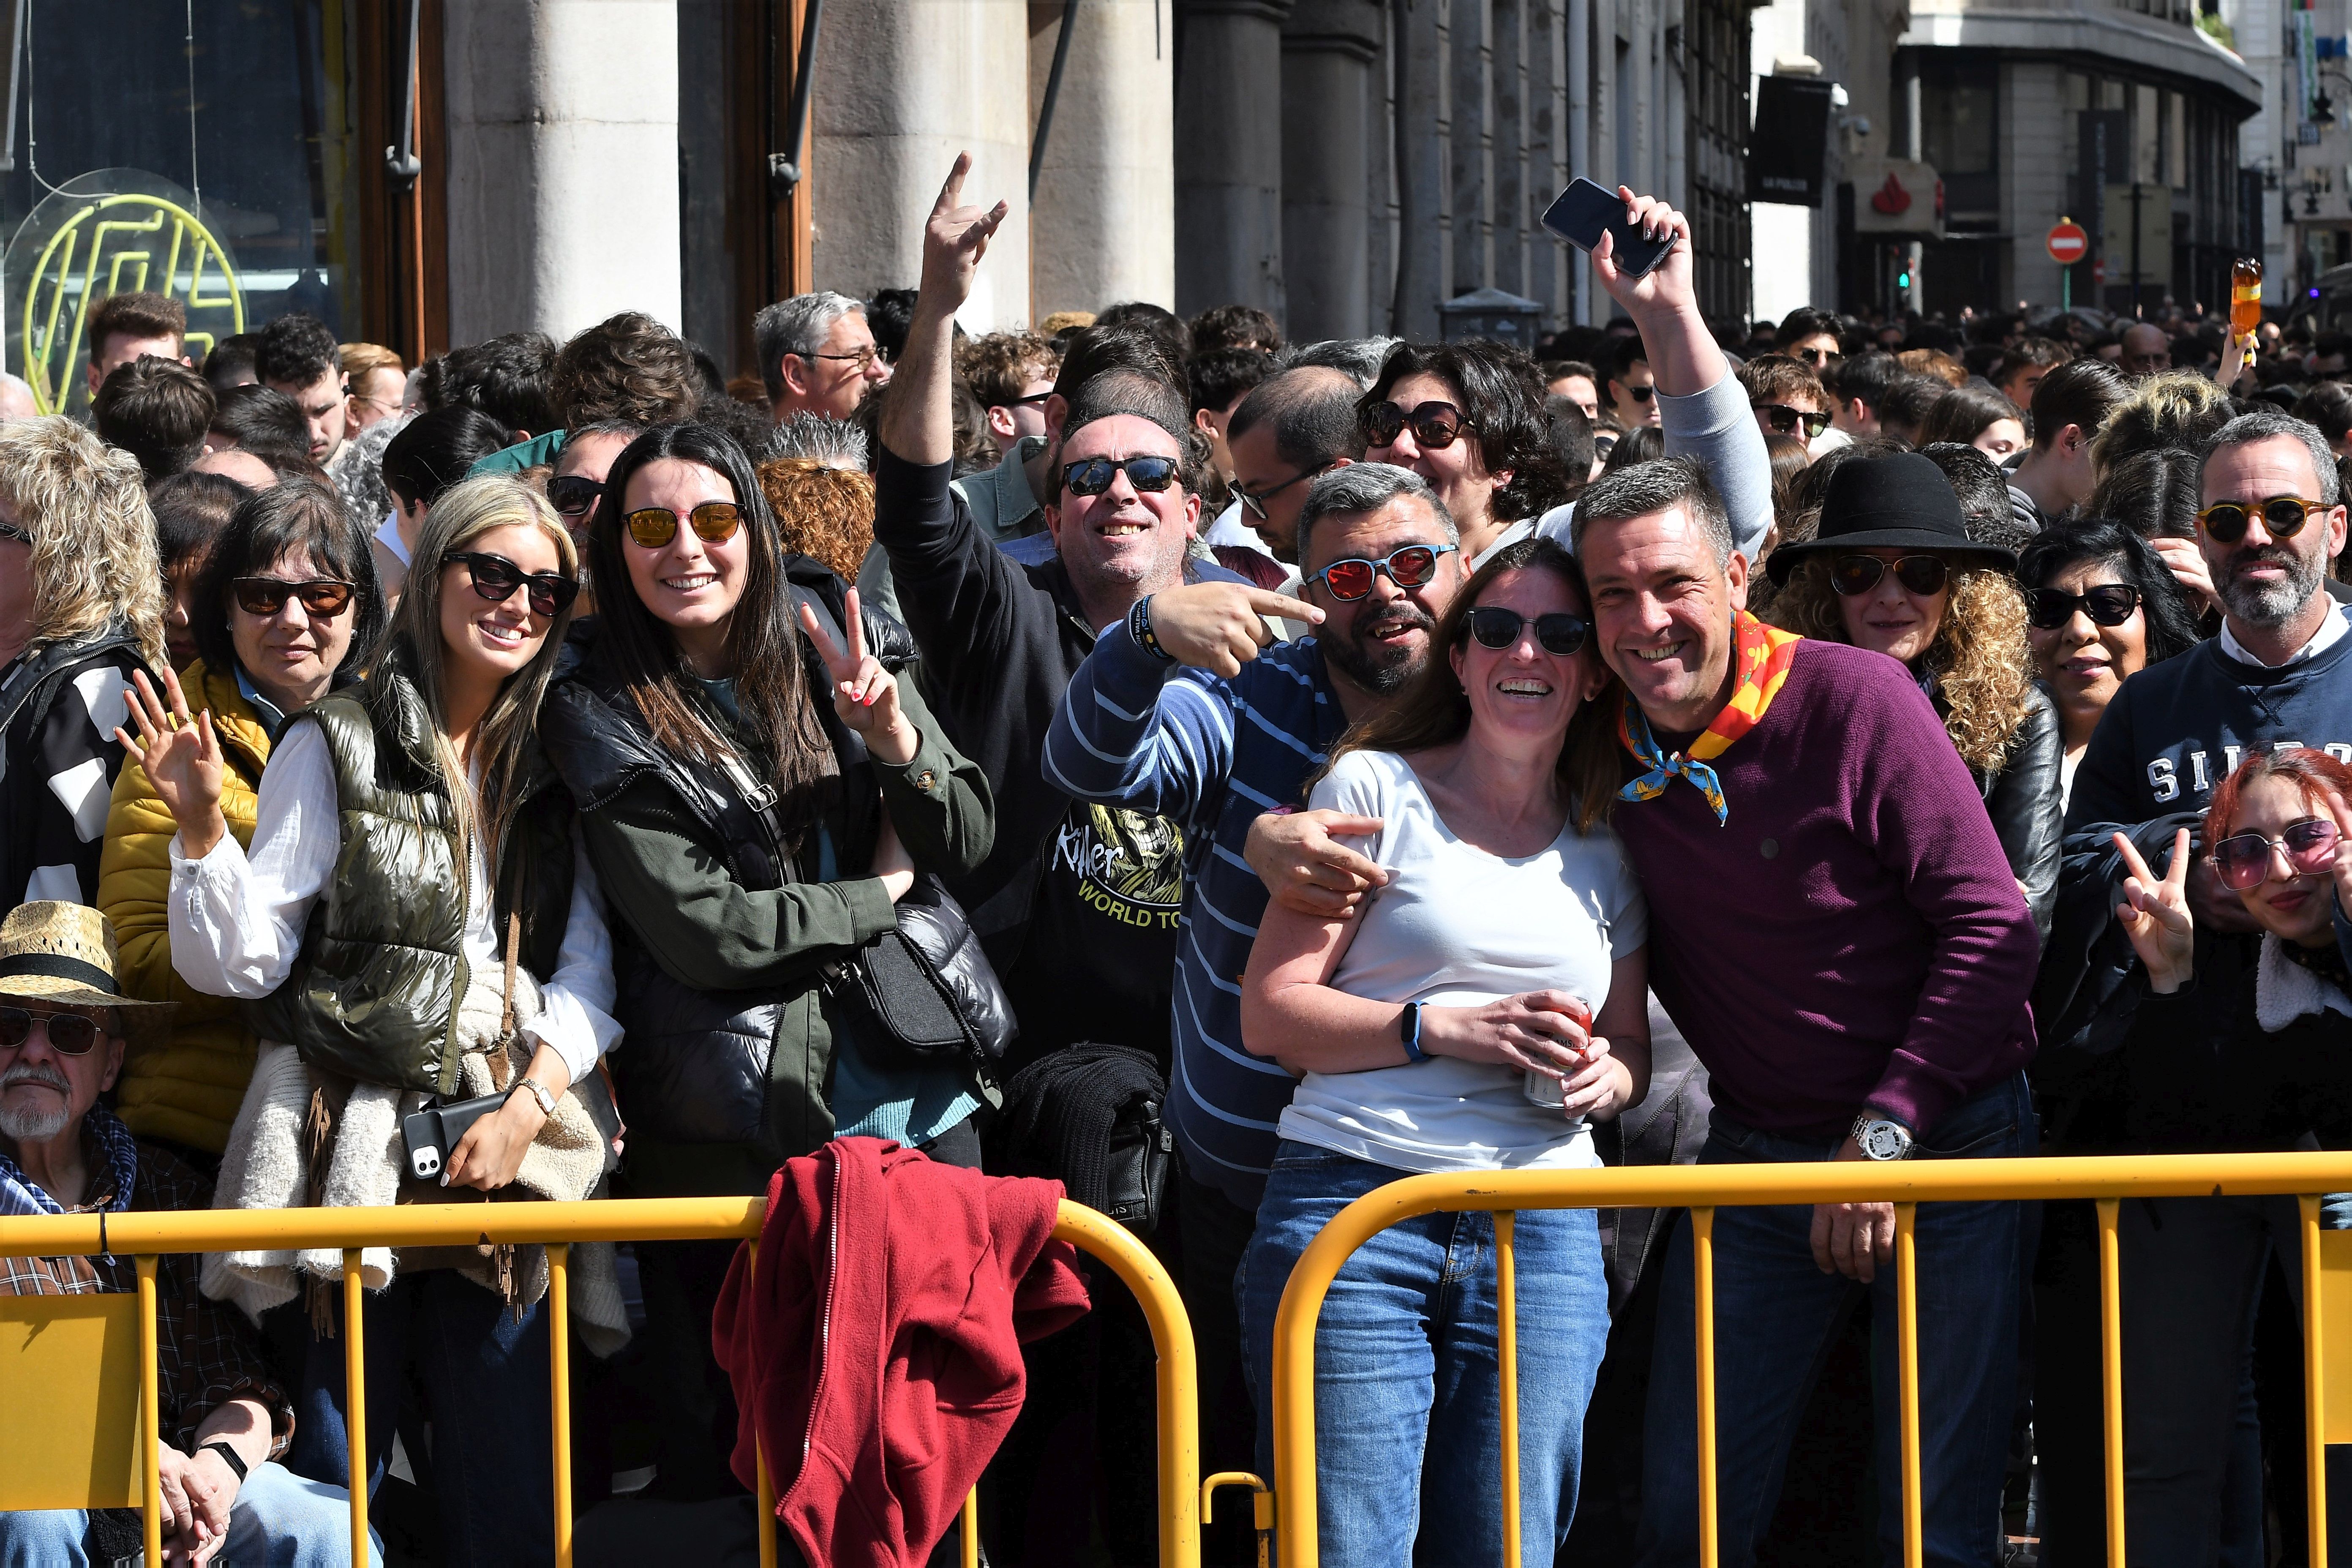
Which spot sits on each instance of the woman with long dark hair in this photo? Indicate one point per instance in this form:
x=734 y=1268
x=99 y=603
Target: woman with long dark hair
x=1478 y=1014
x=758 y=792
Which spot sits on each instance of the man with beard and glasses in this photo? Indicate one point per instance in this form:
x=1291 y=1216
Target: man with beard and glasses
x=1184 y=713
x=2271 y=517
x=65 y=1024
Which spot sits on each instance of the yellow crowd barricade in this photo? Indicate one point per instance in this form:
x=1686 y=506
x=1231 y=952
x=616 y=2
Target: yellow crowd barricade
x=93 y=1358
x=2326 y=1295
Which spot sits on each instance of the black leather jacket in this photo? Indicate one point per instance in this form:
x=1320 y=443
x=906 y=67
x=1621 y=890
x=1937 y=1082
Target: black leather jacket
x=2026 y=807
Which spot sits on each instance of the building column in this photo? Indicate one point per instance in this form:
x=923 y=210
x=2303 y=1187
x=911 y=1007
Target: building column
x=1424 y=176
x=563 y=121
x=1327 y=100
x=1103 y=222
x=902 y=87
x=1229 y=156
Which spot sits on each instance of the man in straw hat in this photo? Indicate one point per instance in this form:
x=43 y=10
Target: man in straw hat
x=64 y=1025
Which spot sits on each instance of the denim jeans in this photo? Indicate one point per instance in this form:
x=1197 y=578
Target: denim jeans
x=1774 y=1311
x=484 y=1383
x=279 y=1520
x=1408 y=1444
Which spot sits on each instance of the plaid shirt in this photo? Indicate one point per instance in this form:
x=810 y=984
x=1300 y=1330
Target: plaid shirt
x=205 y=1354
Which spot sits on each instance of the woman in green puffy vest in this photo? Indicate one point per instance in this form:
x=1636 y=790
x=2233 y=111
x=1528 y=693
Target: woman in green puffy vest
x=411 y=848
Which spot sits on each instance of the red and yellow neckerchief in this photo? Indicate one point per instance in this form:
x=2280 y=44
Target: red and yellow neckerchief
x=1761 y=656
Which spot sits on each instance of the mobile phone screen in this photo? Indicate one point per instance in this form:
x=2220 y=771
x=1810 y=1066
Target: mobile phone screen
x=1582 y=213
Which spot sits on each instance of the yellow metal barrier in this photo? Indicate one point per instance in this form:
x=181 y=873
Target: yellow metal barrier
x=1704 y=1188
x=144 y=1236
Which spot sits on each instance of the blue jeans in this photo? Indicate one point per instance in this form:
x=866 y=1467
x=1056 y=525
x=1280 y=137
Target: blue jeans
x=279 y=1520
x=1774 y=1311
x=1407 y=1416
x=484 y=1381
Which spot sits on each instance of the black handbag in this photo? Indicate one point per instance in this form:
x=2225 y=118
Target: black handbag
x=924 y=993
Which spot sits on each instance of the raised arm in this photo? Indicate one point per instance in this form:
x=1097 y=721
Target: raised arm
x=918 y=422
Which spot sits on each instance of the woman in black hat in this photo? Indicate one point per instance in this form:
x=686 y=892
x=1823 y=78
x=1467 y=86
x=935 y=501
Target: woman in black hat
x=1892 y=568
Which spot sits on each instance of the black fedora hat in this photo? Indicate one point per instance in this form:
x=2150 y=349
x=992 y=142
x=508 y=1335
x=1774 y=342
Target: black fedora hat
x=1900 y=502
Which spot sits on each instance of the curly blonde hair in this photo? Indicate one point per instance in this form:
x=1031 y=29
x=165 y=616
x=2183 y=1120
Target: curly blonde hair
x=822 y=511
x=1979 y=656
x=84 y=503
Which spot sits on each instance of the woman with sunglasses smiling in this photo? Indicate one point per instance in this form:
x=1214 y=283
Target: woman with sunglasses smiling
x=414 y=873
x=286 y=604
x=2100 y=606
x=1468 y=418
x=758 y=790
x=2227 y=1042
x=1892 y=569
x=1478 y=1014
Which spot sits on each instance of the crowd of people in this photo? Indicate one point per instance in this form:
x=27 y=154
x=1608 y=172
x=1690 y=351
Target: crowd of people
x=1839 y=739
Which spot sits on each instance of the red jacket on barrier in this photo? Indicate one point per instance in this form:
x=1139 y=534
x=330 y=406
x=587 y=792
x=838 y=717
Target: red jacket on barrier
x=875 y=1351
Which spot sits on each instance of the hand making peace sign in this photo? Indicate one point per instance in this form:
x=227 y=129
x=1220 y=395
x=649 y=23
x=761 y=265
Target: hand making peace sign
x=2154 y=915
x=865 y=695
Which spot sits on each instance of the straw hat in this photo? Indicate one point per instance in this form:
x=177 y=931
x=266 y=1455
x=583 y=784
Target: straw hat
x=65 y=954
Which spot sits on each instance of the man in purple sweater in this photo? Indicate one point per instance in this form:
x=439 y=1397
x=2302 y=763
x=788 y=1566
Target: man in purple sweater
x=1835 y=930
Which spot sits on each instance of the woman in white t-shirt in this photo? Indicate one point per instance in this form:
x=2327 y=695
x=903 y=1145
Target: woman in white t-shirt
x=1477 y=1015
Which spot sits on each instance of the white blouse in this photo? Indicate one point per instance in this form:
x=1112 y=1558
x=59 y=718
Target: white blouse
x=236 y=918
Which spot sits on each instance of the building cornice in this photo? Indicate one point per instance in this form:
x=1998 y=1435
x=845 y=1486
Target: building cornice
x=2087 y=31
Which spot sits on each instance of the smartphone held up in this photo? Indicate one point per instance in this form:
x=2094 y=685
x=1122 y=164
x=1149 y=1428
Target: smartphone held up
x=1582 y=213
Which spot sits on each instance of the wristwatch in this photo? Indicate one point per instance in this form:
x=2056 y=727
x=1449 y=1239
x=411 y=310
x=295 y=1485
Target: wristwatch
x=1882 y=1137
x=537 y=1091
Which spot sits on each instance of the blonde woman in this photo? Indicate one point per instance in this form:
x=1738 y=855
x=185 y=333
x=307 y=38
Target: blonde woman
x=81 y=612
x=1892 y=569
x=410 y=843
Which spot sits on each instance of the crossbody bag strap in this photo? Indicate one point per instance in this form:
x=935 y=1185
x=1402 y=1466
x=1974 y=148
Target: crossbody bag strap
x=514 y=941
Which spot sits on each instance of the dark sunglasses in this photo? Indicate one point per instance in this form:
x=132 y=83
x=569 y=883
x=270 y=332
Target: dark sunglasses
x=1498 y=627
x=715 y=523
x=2244 y=860
x=1852 y=575
x=1820 y=356
x=495 y=578
x=2283 y=516
x=573 y=494
x=1255 y=504
x=1408 y=567
x=1434 y=425
x=1639 y=394
x=1784 y=419
x=323 y=598
x=70 y=1034
x=2108 y=605
x=1092 y=476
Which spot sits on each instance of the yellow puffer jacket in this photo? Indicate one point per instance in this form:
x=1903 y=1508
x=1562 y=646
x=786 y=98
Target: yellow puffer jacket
x=186 y=1090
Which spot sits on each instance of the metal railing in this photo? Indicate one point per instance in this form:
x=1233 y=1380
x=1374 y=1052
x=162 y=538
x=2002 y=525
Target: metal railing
x=145 y=1237
x=1704 y=1188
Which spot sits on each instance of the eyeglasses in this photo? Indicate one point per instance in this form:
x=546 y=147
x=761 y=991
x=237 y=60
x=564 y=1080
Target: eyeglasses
x=1852 y=575
x=495 y=578
x=1092 y=476
x=1434 y=425
x=574 y=495
x=70 y=1034
x=1785 y=419
x=1638 y=393
x=2108 y=605
x=2244 y=860
x=715 y=523
x=1255 y=504
x=10 y=530
x=324 y=597
x=1498 y=627
x=862 y=358
x=2284 y=516
x=1408 y=567
x=1819 y=357
x=1033 y=397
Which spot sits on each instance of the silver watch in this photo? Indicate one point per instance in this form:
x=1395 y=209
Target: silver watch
x=1882 y=1137
x=537 y=1091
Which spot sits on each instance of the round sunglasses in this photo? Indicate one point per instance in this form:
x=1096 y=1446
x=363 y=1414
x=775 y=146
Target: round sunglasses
x=70 y=1034
x=1853 y=574
x=2108 y=605
x=2283 y=516
x=2244 y=859
x=715 y=523
x=323 y=598
x=1092 y=476
x=495 y=578
x=1434 y=425
x=1408 y=567
x=1498 y=627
